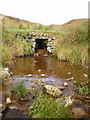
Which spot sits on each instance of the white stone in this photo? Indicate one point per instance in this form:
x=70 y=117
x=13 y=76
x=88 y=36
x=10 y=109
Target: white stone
x=70 y=78
x=42 y=75
x=53 y=38
x=69 y=73
x=29 y=75
x=8 y=101
x=39 y=70
x=74 y=81
x=65 y=84
x=6 y=69
x=34 y=44
x=85 y=75
x=11 y=73
x=49 y=49
x=13 y=107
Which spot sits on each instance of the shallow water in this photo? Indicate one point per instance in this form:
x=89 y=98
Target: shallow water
x=48 y=69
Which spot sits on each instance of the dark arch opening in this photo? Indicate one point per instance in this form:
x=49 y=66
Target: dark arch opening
x=41 y=44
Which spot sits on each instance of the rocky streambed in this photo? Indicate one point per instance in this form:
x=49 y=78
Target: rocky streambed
x=58 y=77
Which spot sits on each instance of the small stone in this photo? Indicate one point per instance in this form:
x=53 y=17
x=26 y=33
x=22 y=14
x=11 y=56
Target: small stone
x=13 y=107
x=6 y=69
x=8 y=101
x=85 y=75
x=65 y=84
x=29 y=75
x=74 y=81
x=35 y=61
x=70 y=78
x=78 y=112
x=69 y=73
x=42 y=75
x=61 y=87
x=11 y=73
x=39 y=70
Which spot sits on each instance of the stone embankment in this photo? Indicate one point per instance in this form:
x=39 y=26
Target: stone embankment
x=34 y=37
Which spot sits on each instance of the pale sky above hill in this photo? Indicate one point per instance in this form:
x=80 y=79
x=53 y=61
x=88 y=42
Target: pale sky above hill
x=45 y=11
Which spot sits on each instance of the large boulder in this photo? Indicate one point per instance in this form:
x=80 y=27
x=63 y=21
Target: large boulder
x=2 y=107
x=78 y=112
x=54 y=91
x=4 y=77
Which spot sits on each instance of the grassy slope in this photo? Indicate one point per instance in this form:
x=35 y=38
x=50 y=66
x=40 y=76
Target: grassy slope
x=73 y=43
x=71 y=39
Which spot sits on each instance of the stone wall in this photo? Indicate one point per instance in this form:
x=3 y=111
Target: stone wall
x=33 y=36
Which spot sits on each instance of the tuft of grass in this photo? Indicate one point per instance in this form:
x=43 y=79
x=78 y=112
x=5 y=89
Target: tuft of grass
x=19 y=91
x=47 y=107
x=75 y=56
x=84 y=90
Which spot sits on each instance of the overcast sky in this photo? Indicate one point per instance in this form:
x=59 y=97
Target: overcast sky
x=45 y=11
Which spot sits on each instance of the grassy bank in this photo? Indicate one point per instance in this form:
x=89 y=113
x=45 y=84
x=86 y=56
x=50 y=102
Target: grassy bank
x=12 y=47
x=73 y=44
x=71 y=41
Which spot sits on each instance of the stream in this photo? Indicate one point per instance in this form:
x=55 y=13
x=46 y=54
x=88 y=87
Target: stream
x=48 y=69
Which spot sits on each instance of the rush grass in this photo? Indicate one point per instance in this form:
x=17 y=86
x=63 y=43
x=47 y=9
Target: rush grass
x=12 y=47
x=47 y=107
x=73 y=44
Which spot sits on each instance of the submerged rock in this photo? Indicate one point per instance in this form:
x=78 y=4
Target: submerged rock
x=54 y=91
x=13 y=107
x=42 y=75
x=29 y=75
x=78 y=112
x=65 y=84
x=70 y=78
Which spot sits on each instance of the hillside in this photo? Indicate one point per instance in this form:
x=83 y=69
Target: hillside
x=71 y=43
x=10 y=23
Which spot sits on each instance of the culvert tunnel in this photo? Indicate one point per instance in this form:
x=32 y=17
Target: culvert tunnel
x=41 y=45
